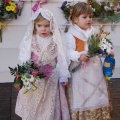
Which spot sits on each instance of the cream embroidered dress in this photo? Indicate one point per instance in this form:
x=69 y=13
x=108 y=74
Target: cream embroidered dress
x=48 y=102
x=87 y=90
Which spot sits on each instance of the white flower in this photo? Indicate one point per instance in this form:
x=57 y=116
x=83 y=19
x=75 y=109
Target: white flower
x=31 y=79
x=109 y=47
x=107 y=8
x=92 y=8
x=103 y=46
x=103 y=41
x=25 y=80
x=108 y=50
x=29 y=86
x=33 y=87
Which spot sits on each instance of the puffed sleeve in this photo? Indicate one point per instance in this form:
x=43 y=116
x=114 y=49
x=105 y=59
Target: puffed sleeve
x=72 y=55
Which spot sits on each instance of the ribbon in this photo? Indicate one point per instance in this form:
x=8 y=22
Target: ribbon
x=38 y=4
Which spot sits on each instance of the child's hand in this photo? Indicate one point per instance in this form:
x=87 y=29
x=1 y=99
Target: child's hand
x=111 y=53
x=64 y=83
x=84 y=57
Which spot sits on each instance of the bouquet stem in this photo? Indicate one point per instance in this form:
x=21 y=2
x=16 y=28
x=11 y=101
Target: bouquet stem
x=25 y=91
x=76 y=68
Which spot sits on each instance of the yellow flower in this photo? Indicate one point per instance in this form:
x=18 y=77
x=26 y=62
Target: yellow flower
x=103 y=36
x=12 y=3
x=2 y=24
x=14 y=11
x=12 y=8
x=8 y=8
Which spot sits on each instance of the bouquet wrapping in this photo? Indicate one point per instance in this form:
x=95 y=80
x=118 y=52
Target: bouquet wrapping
x=108 y=67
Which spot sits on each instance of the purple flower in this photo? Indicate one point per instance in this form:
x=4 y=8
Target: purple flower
x=46 y=70
x=29 y=71
x=102 y=52
x=63 y=5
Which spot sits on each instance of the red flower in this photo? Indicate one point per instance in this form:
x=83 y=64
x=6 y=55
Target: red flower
x=34 y=73
x=16 y=75
x=6 y=1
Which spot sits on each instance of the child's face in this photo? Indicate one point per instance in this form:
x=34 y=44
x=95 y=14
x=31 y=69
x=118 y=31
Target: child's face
x=84 y=21
x=43 y=28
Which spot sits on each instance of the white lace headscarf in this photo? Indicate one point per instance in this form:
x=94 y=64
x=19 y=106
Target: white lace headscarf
x=25 y=46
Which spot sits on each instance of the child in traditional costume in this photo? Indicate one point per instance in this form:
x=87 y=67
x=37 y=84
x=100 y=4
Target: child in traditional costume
x=44 y=45
x=87 y=89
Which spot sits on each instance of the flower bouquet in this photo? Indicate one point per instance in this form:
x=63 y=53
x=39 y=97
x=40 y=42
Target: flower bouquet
x=106 y=11
x=9 y=10
x=99 y=44
x=67 y=8
x=28 y=75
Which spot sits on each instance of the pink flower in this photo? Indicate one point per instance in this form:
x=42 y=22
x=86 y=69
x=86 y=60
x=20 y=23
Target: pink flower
x=34 y=73
x=115 y=8
x=16 y=75
x=106 y=33
x=99 y=36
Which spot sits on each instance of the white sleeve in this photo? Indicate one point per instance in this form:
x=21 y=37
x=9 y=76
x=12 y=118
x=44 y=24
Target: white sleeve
x=72 y=55
x=63 y=79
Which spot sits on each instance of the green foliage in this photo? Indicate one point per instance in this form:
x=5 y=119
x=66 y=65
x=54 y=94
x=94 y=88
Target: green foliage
x=66 y=7
x=21 y=69
x=93 y=43
x=9 y=10
x=66 y=11
x=105 y=12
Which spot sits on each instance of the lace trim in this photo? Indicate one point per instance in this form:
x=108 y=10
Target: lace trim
x=39 y=104
x=35 y=45
x=49 y=53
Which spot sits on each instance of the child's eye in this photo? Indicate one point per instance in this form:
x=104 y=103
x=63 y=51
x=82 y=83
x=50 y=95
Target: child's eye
x=85 y=17
x=38 y=25
x=47 y=25
x=90 y=16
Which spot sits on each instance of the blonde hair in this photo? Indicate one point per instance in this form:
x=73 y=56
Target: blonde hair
x=81 y=8
x=39 y=18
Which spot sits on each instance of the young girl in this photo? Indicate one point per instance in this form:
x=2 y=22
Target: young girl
x=87 y=90
x=43 y=44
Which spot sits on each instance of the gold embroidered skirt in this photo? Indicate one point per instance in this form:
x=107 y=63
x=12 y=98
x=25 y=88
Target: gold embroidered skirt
x=93 y=114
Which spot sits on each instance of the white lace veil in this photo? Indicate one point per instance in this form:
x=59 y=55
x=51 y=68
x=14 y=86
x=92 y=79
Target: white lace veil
x=25 y=46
